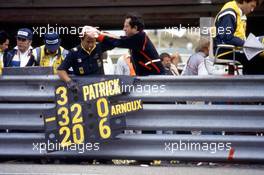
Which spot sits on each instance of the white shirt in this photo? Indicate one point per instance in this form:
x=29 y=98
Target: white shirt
x=1 y=61
x=23 y=58
x=1 y=57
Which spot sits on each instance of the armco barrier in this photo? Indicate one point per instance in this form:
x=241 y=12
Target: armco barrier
x=23 y=99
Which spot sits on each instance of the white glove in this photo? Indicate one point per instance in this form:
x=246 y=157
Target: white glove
x=92 y=32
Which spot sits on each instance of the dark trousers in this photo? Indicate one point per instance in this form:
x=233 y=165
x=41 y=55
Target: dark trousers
x=253 y=67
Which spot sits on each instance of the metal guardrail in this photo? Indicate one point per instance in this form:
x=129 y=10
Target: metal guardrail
x=169 y=117
x=24 y=98
x=235 y=89
x=142 y=147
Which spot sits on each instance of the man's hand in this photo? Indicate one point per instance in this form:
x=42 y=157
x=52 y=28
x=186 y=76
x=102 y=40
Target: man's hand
x=92 y=32
x=73 y=86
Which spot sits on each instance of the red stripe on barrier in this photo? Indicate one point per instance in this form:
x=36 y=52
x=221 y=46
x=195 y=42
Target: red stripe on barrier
x=231 y=154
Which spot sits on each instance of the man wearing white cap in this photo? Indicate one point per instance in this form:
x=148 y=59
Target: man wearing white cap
x=85 y=59
x=51 y=54
x=21 y=55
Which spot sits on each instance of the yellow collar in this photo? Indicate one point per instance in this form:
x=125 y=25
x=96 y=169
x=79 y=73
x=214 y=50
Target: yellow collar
x=87 y=51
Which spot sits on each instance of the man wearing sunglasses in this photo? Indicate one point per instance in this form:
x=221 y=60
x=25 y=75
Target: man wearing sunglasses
x=21 y=55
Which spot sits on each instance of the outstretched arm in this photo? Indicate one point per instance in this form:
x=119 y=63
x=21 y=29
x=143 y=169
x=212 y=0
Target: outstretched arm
x=128 y=42
x=109 y=35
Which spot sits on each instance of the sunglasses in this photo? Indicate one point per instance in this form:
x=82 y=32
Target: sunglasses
x=21 y=39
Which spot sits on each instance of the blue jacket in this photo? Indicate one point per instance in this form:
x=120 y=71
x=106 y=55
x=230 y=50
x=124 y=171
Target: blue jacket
x=8 y=58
